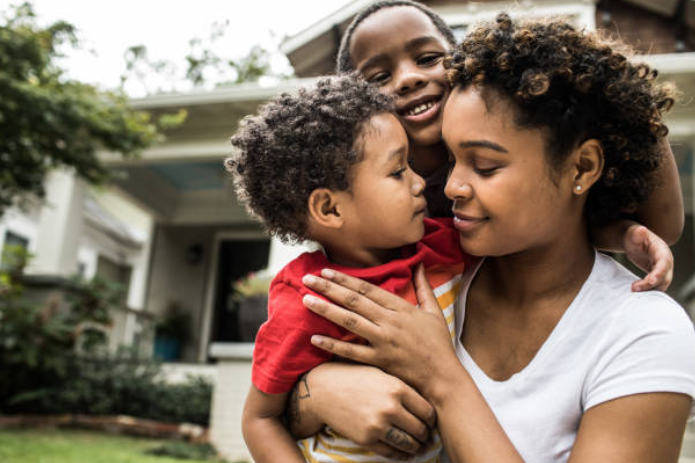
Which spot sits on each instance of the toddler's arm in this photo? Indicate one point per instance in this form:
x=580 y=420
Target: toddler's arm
x=264 y=433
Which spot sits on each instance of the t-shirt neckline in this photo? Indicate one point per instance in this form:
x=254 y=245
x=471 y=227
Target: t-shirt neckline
x=548 y=345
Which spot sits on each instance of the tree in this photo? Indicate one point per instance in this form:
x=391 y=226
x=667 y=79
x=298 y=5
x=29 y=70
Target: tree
x=49 y=121
x=204 y=67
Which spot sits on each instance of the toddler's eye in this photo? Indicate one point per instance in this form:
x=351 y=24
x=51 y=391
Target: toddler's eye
x=398 y=174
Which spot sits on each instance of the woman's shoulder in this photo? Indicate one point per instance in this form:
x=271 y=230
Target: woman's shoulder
x=635 y=312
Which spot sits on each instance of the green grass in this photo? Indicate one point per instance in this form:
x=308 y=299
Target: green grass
x=69 y=446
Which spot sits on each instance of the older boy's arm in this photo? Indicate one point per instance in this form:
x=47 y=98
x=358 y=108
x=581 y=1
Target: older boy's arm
x=662 y=216
x=662 y=212
x=261 y=425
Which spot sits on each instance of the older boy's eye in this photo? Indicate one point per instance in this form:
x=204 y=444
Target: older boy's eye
x=379 y=78
x=429 y=59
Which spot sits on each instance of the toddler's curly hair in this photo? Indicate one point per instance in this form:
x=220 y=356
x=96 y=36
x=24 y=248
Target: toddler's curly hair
x=575 y=85
x=298 y=143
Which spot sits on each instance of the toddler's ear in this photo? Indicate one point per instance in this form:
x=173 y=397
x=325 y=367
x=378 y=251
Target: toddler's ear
x=324 y=208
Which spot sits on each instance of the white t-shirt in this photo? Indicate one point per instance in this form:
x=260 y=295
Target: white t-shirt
x=609 y=343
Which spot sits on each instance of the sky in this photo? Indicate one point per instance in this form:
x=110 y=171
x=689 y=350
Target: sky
x=106 y=28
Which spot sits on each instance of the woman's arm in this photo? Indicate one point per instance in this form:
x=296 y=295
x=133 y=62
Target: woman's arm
x=413 y=344
x=637 y=428
x=364 y=404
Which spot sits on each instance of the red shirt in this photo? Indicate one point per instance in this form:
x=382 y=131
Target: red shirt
x=283 y=350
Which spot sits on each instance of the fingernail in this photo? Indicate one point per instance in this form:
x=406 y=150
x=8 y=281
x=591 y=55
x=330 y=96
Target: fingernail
x=327 y=273
x=309 y=279
x=309 y=300
x=317 y=340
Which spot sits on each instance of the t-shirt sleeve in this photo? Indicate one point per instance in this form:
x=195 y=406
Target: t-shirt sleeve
x=283 y=349
x=649 y=347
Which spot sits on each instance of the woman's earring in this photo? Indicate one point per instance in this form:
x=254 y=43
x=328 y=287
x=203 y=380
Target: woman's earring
x=578 y=188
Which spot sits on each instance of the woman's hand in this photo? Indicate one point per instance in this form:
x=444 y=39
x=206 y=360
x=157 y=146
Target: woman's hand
x=372 y=408
x=409 y=342
x=650 y=253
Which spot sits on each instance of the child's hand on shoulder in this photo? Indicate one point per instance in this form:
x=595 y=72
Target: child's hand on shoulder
x=647 y=251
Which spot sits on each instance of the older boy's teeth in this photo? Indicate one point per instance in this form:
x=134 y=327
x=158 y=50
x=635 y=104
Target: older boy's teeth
x=419 y=109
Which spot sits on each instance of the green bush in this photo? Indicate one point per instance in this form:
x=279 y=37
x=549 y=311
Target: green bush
x=118 y=385
x=43 y=370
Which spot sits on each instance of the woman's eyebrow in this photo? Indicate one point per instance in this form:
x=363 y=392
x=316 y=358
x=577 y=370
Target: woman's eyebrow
x=483 y=144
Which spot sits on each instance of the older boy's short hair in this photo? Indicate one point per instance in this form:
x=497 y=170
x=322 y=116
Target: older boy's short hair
x=297 y=144
x=575 y=85
x=344 y=62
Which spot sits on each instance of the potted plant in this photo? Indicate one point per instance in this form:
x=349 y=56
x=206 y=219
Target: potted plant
x=171 y=333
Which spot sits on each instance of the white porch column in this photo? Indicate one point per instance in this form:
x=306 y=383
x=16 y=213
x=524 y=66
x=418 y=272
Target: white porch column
x=60 y=226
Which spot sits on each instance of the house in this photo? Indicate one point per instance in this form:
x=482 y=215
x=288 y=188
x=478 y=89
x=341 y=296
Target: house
x=171 y=229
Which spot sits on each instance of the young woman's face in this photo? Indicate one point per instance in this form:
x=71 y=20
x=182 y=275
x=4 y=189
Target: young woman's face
x=400 y=50
x=505 y=201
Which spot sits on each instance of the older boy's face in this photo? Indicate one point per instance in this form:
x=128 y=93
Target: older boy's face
x=384 y=207
x=400 y=50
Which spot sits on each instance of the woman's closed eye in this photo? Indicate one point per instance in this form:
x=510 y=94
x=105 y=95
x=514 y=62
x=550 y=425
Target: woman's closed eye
x=485 y=171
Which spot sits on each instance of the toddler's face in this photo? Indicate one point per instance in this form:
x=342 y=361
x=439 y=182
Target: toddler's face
x=401 y=50
x=384 y=206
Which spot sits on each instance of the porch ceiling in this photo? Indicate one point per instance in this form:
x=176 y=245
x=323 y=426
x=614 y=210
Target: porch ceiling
x=183 y=193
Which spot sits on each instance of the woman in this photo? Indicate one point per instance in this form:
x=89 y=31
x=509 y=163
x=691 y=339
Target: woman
x=550 y=130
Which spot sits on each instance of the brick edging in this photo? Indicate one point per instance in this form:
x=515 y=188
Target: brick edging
x=119 y=424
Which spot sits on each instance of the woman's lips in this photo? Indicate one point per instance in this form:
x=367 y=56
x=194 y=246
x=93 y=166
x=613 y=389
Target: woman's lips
x=465 y=223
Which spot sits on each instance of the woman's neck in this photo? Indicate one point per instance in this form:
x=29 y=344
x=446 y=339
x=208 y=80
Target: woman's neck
x=426 y=160
x=551 y=272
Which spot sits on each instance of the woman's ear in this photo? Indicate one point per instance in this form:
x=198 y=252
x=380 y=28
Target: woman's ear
x=324 y=209
x=588 y=164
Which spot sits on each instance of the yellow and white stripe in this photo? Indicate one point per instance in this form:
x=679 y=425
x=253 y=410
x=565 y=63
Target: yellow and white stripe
x=330 y=447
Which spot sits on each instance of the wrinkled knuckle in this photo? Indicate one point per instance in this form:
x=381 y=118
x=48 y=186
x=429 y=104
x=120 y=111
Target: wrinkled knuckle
x=350 y=322
x=347 y=351
x=363 y=288
x=352 y=300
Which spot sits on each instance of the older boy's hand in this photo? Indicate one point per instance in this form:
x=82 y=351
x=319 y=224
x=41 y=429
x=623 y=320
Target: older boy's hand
x=650 y=253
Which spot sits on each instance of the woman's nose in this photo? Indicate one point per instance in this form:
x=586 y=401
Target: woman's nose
x=458 y=187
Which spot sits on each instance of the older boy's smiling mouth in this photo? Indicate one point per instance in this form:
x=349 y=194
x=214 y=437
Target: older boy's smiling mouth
x=421 y=109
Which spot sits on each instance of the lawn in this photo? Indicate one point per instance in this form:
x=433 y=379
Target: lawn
x=68 y=446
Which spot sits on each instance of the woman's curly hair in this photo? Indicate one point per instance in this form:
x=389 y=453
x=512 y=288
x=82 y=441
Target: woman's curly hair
x=298 y=143
x=576 y=85
x=344 y=62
